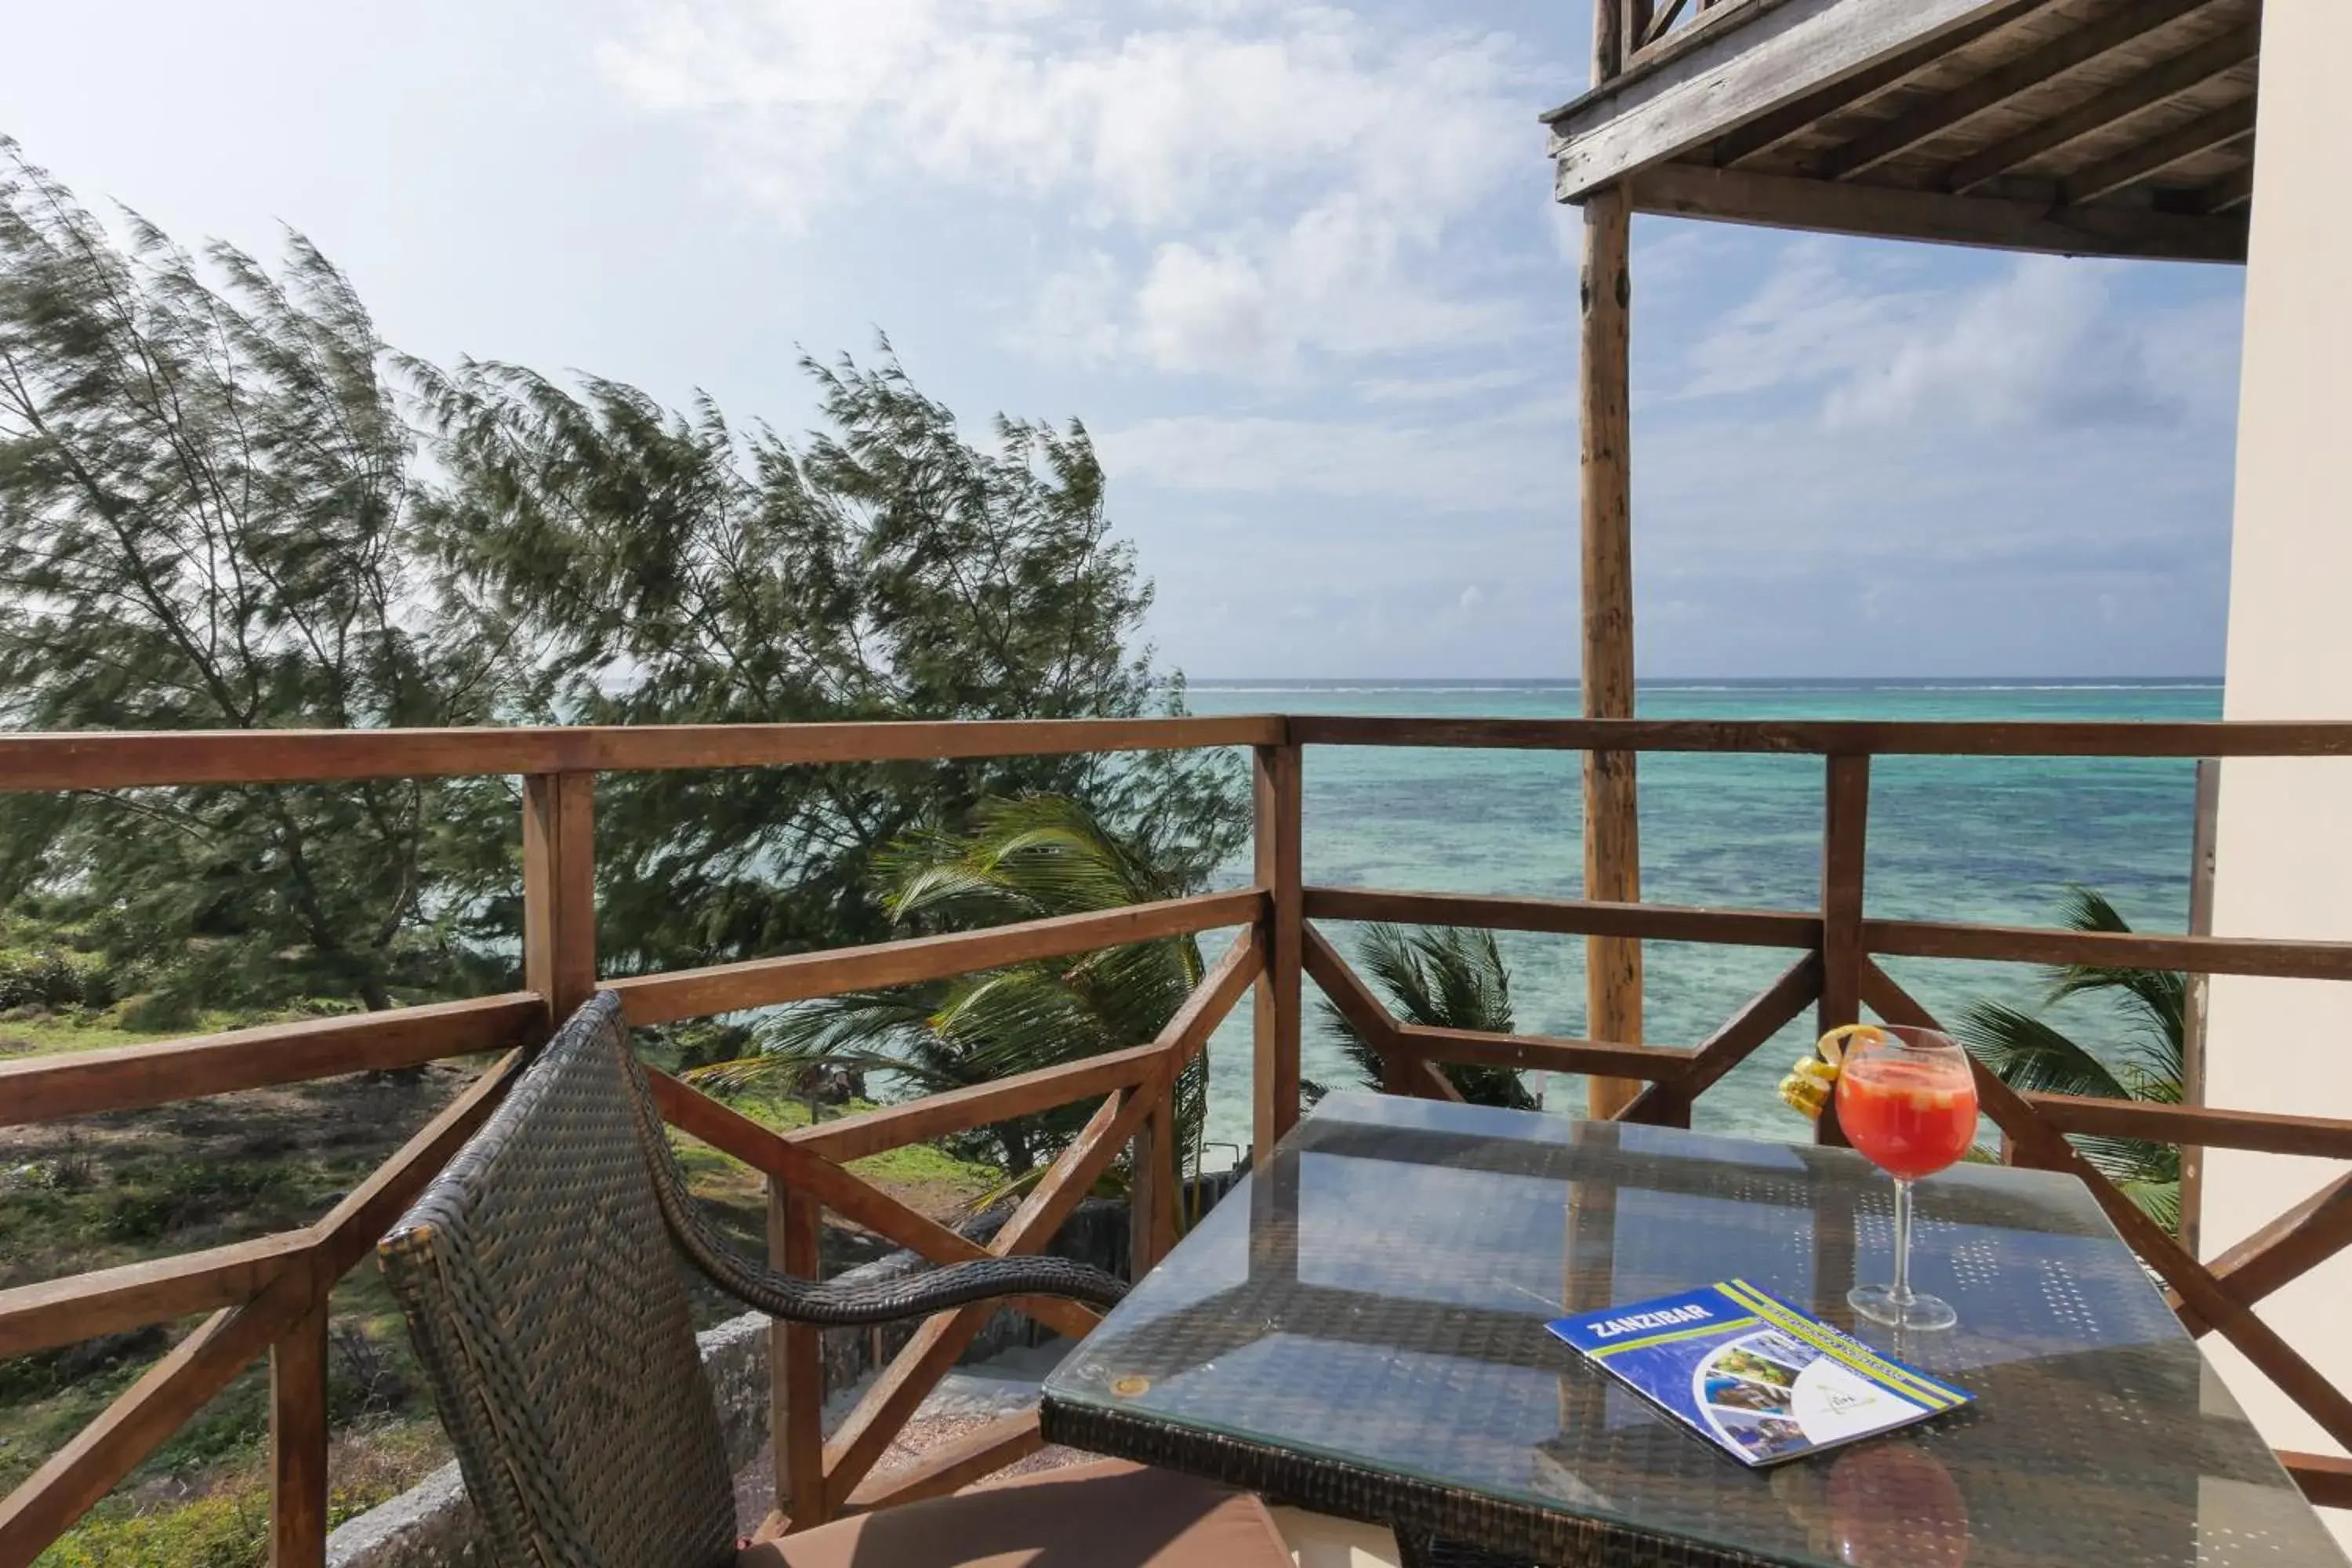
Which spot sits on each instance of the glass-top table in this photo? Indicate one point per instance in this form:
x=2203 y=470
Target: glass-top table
x=1358 y=1328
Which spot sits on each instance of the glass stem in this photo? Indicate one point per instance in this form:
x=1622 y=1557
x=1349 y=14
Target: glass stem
x=1902 y=1292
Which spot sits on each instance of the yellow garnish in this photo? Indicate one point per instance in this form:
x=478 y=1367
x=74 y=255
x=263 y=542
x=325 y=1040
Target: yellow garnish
x=1810 y=1082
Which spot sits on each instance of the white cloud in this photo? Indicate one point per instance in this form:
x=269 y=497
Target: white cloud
x=1287 y=178
x=2041 y=343
x=1524 y=462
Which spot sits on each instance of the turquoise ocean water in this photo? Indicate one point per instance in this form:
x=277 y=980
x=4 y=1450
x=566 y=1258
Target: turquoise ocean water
x=1951 y=839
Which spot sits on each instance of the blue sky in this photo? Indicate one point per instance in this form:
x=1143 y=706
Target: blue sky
x=1297 y=268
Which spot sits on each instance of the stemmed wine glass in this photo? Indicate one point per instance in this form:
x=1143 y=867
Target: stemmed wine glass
x=1907 y=1102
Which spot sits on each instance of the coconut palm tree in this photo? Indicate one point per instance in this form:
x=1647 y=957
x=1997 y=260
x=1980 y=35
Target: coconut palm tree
x=1024 y=859
x=2029 y=1054
x=1448 y=978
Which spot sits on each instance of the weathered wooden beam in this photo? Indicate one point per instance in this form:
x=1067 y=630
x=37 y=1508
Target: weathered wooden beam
x=77 y=1306
x=1568 y=917
x=2182 y=73
x=1823 y=206
x=1733 y=76
x=2231 y=191
x=2261 y=1131
x=1914 y=738
x=1542 y=1053
x=1766 y=132
x=1279 y=815
x=1668 y=1101
x=2326 y=1479
x=131 y=1078
x=2112 y=950
x=139 y=759
x=2282 y=1251
x=2233 y=123
x=2055 y=58
x=1612 y=824
x=818 y=1179
x=765 y=982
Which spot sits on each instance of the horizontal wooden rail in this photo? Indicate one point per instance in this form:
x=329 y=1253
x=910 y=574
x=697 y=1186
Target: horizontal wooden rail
x=1843 y=737
x=70 y=1482
x=1568 y=917
x=1541 y=1053
x=1023 y=1094
x=767 y=981
x=2326 y=1478
x=156 y=1290
x=128 y=1077
x=133 y=760
x=814 y=1177
x=2260 y=1131
x=961 y=1109
x=2112 y=950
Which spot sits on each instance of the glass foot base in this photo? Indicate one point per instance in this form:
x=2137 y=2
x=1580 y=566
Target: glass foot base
x=1877 y=1304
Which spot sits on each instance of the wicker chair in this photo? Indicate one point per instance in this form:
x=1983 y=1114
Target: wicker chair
x=540 y=1278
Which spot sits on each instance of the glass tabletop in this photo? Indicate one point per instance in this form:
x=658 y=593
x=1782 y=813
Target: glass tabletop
x=1370 y=1306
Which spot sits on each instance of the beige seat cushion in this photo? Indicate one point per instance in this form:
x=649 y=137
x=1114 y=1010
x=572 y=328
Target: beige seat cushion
x=1107 y=1515
x=1319 y=1541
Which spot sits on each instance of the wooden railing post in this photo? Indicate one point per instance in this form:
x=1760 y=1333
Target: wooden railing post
x=558 y=889
x=1278 y=801
x=1846 y=833
x=796 y=1365
x=1157 y=1181
x=298 y=1443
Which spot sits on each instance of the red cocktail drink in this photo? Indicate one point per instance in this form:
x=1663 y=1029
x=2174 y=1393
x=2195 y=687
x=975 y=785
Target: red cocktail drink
x=1907 y=1101
x=1908 y=1119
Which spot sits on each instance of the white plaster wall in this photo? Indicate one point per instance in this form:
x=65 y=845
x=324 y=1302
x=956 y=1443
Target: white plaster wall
x=2283 y=852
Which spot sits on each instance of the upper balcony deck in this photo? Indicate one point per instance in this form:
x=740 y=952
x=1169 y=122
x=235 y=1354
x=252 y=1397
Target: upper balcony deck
x=2080 y=127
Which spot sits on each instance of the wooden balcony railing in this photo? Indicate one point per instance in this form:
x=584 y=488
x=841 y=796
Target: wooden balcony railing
x=269 y=1295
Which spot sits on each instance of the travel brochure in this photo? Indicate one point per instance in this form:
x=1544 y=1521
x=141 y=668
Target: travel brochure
x=1757 y=1378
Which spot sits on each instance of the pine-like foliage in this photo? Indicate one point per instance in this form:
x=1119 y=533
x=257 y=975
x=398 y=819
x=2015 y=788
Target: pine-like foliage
x=658 y=568
x=205 y=523
x=224 y=504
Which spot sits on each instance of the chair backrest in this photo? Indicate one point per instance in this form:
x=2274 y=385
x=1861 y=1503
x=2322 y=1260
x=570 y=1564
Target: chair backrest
x=547 y=1305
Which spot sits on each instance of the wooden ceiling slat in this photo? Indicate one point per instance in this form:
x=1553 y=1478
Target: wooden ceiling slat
x=1989 y=92
x=2234 y=189
x=1766 y=132
x=1779 y=201
x=2157 y=153
x=2183 y=73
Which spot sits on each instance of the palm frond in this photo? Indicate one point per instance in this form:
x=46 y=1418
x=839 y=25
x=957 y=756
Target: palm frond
x=2029 y=1054
x=1443 y=977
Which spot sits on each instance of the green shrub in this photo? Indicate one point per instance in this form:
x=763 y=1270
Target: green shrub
x=150 y=1201
x=228 y=1530
x=55 y=978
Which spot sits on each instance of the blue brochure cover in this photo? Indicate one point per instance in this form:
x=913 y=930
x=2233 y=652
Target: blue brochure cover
x=1752 y=1374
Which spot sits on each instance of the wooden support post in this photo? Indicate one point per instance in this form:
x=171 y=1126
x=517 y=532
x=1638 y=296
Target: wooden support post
x=1845 y=832
x=1613 y=844
x=2192 y=1031
x=796 y=1365
x=558 y=889
x=1157 y=1179
x=1613 y=835
x=1278 y=788
x=298 y=1444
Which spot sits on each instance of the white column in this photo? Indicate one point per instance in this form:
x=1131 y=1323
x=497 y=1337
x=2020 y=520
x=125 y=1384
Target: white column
x=2284 y=855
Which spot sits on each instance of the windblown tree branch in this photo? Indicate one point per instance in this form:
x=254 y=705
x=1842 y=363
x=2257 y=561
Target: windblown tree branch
x=204 y=508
